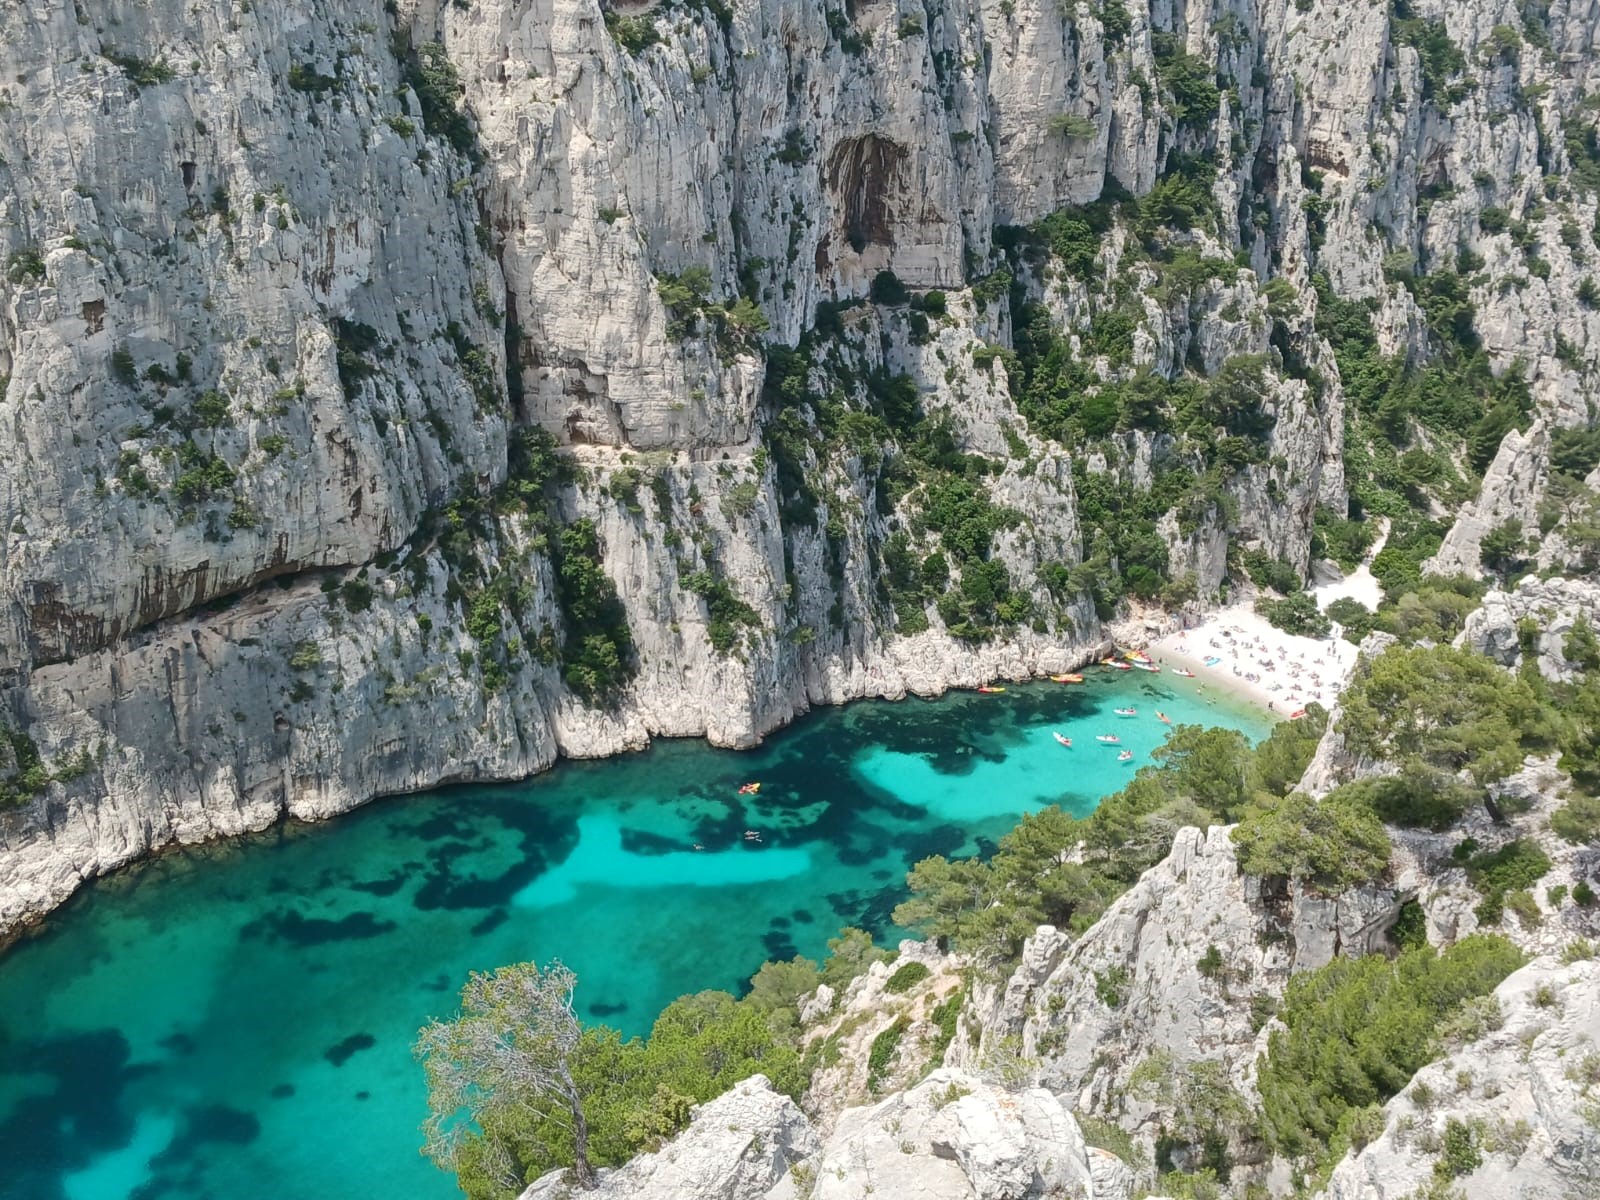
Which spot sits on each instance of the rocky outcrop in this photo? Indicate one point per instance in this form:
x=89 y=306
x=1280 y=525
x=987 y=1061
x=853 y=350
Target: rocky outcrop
x=737 y=1147
x=1537 y=617
x=1168 y=975
x=952 y=1137
x=1512 y=1115
x=1426 y=867
x=914 y=1000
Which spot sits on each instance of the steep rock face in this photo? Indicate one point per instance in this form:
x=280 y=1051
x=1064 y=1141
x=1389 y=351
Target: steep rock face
x=1167 y=974
x=1511 y=490
x=1518 y=1106
x=186 y=258
x=273 y=310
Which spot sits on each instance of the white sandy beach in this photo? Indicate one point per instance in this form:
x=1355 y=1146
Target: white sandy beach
x=1281 y=672
x=1234 y=648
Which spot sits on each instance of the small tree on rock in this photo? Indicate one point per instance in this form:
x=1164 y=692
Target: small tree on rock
x=508 y=1052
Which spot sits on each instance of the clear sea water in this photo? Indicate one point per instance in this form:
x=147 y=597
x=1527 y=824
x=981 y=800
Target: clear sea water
x=235 y=1020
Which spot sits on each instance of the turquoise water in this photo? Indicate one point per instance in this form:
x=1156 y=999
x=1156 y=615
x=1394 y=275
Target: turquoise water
x=235 y=1020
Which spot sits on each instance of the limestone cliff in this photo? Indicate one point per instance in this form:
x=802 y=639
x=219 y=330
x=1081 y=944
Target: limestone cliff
x=952 y=1137
x=287 y=287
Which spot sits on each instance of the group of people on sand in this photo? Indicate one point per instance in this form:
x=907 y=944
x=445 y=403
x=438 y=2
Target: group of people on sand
x=1301 y=676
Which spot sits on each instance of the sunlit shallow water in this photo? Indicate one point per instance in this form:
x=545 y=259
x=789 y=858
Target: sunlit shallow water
x=235 y=1020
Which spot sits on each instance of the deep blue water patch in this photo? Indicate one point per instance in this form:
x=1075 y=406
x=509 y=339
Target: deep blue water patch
x=236 y=1019
x=341 y=1053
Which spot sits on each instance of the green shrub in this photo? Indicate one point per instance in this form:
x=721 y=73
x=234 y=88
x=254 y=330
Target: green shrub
x=211 y=409
x=1525 y=906
x=303 y=78
x=887 y=289
x=123 y=368
x=1268 y=572
x=1110 y=985
x=1189 y=81
x=906 y=977
x=306 y=657
x=1516 y=865
x=882 y=1052
x=28 y=776
x=433 y=77
x=1355 y=617
x=725 y=611
x=206 y=475
x=1578 y=820
x=1072 y=125
x=1115 y=20
x=353 y=341
x=1575 y=452
x=993 y=287
x=597 y=655
x=25 y=265
x=635 y=34
x=1341 y=538
x=945 y=1017
x=1448 y=709
x=1410 y=928
x=1441 y=58
x=1459 y=1154
x=1358 y=1030
x=1417 y=797
x=357 y=595
x=1333 y=844
x=141 y=72
x=1297 y=614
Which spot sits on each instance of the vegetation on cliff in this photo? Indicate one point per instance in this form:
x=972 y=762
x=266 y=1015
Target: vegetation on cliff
x=518 y=1087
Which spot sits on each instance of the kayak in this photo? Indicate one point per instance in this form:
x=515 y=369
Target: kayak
x=1065 y=741
x=1136 y=656
x=991 y=691
x=1163 y=718
x=1109 y=739
x=1117 y=666
x=1125 y=756
x=1066 y=679
x=749 y=789
x=1297 y=714
x=1148 y=666
x=1187 y=674
x=1212 y=661
x=1126 y=712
